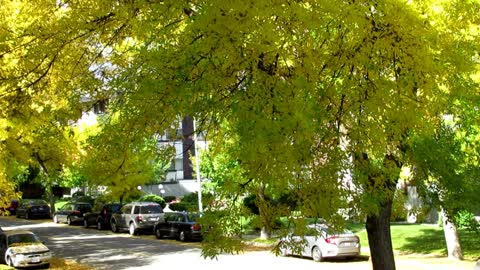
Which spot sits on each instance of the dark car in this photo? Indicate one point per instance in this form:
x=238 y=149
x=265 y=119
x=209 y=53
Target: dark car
x=72 y=212
x=20 y=248
x=33 y=208
x=101 y=217
x=137 y=217
x=179 y=225
x=12 y=208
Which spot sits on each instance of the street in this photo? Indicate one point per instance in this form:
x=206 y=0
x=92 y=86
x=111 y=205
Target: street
x=106 y=250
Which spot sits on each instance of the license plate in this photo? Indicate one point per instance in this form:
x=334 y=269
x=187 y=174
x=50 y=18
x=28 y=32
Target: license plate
x=41 y=208
x=35 y=260
x=152 y=219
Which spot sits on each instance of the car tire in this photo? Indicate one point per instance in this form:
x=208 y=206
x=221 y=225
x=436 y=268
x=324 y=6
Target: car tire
x=158 y=233
x=85 y=223
x=69 y=221
x=317 y=254
x=131 y=229
x=9 y=261
x=114 y=226
x=283 y=252
x=55 y=219
x=182 y=237
x=99 y=225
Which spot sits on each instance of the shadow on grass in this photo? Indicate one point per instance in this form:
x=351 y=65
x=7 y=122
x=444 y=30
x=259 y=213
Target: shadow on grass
x=360 y=258
x=424 y=241
x=432 y=241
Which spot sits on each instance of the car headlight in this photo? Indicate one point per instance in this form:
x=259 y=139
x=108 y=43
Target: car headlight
x=19 y=257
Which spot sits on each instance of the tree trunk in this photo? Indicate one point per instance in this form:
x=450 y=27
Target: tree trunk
x=264 y=215
x=454 y=249
x=379 y=238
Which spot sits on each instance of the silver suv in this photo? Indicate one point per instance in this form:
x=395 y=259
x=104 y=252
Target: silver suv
x=136 y=217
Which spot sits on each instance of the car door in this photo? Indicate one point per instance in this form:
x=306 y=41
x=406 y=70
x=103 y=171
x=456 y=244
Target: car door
x=64 y=211
x=124 y=215
x=166 y=226
x=21 y=209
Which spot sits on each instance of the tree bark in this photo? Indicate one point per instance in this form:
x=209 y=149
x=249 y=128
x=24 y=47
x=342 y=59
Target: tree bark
x=379 y=238
x=454 y=249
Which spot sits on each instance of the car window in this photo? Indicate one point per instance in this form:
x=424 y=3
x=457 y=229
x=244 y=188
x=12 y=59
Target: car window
x=136 y=210
x=18 y=239
x=83 y=207
x=193 y=217
x=127 y=209
x=114 y=208
x=66 y=207
x=171 y=217
x=151 y=209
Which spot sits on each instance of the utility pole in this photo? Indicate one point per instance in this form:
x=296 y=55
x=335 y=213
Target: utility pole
x=197 y=171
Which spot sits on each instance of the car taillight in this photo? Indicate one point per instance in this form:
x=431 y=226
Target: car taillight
x=76 y=212
x=139 y=218
x=196 y=227
x=331 y=240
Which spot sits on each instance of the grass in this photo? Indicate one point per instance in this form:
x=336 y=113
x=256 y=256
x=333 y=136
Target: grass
x=428 y=240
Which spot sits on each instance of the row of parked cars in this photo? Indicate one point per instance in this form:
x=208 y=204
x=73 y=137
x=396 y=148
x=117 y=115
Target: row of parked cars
x=135 y=217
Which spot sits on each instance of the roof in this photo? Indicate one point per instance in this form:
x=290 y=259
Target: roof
x=142 y=203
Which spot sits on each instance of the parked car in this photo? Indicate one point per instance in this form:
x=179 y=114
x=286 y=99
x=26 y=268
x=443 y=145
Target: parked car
x=101 y=217
x=72 y=212
x=12 y=208
x=180 y=225
x=33 y=208
x=19 y=248
x=321 y=243
x=136 y=217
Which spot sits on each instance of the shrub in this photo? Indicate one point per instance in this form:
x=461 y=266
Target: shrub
x=153 y=198
x=169 y=199
x=180 y=206
x=466 y=220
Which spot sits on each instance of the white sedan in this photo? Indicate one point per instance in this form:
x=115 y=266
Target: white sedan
x=19 y=248
x=319 y=243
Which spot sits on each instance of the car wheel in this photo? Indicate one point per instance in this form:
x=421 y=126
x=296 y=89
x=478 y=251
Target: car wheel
x=317 y=254
x=182 y=237
x=9 y=261
x=114 y=227
x=131 y=229
x=55 y=219
x=99 y=225
x=283 y=252
x=69 y=221
x=85 y=223
x=158 y=233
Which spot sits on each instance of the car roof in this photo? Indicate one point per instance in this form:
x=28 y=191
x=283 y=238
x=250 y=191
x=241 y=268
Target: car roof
x=15 y=232
x=142 y=203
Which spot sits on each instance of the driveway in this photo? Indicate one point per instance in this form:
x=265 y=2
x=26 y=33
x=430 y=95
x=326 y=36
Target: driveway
x=106 y=250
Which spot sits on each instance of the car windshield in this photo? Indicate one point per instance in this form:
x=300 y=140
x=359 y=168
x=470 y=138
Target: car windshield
x=193 y=217
x=39 y=202
x=151 y=209
x=22 y=239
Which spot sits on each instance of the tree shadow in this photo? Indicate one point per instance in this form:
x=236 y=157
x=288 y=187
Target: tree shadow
x=430 y=241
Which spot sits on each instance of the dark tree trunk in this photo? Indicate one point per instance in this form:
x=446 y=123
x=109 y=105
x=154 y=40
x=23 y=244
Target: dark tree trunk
x=379 y=238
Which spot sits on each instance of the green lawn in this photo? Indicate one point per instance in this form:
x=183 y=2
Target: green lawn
x=427 y=239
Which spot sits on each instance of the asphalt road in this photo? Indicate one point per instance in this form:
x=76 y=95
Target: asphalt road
x=107 y=250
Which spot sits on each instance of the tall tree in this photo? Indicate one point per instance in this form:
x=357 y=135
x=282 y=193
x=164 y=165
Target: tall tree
x=311 y=89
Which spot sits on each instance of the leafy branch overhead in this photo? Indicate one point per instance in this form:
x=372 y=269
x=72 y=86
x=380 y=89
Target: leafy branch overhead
x=320 y=98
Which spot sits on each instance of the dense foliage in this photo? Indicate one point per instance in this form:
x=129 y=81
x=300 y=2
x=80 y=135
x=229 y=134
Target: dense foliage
x=318 y=97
